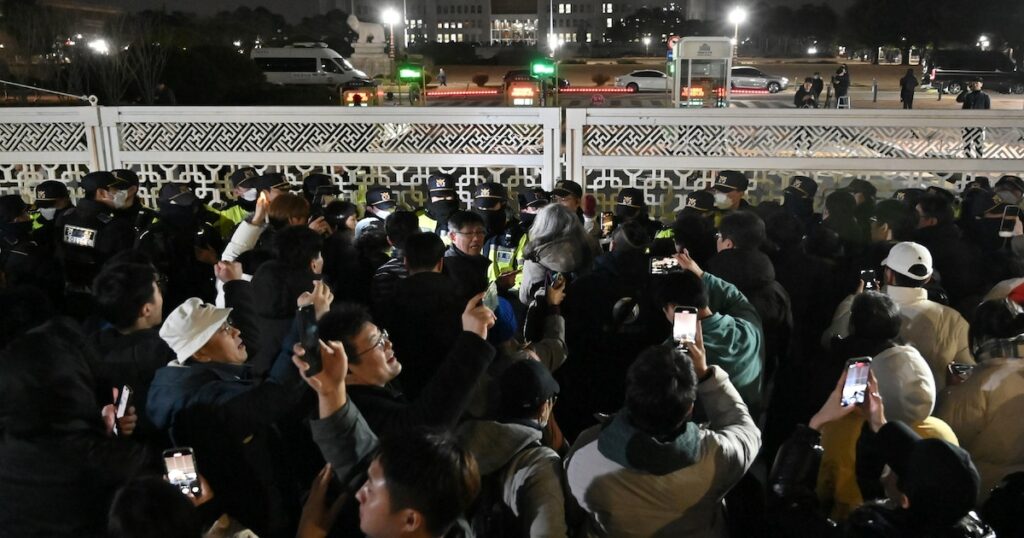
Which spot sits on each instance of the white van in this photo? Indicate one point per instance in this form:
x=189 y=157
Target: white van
x=307 y=64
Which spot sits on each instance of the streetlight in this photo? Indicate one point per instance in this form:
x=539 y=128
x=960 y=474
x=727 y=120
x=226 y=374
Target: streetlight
x=647 y=44
x=737 y=16
x=983 y=42
x=390 y=17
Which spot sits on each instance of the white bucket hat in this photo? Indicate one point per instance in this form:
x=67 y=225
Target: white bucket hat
x=191 y=325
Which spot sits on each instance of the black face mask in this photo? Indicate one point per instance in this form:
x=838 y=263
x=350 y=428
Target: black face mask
x=442 y=209
x=16 y=230
x=625 y=213
x=798 y=205
x=178 y=215
x=527 y=218
x=247 y=205
x=493 y=220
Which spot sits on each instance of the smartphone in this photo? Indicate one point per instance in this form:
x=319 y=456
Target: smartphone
x=856 y=381
x=309 y=337
x=684 y=324
x=181 y=470
x=123 y=400
x=491 y=296
x=607 y=223
x=663 y=266
x=1009 y=221
x=870 y=280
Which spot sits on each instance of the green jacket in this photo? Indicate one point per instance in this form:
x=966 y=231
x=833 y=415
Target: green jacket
x=734 y=340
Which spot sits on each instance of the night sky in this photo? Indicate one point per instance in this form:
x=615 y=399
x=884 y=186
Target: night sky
x=296 y=9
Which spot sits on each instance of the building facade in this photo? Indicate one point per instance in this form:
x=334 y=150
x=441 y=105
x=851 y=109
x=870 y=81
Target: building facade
x=512 y=22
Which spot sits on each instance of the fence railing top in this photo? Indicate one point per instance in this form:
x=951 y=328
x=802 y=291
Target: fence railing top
x=276 y=114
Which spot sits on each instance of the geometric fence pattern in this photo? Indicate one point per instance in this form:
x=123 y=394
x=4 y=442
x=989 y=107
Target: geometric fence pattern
x=355 y=137
x=42 y=137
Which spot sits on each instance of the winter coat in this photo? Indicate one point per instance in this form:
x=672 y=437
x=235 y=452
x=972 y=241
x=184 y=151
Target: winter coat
x=937 y=331
x=733 y=339
x=631 y=484
x=386 y=279
x=530 y=474
x=275 y=288
x=955 y=260
x=985 y=412
x=423 y=319
x=442 y=401
x=469 y=273
x=563 y=255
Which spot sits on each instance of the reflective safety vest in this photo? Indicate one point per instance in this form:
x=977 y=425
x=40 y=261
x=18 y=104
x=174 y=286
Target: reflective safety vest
x=506 y=252
x=429 y=225
x=231 y=215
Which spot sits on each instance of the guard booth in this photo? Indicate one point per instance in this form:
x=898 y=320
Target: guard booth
x=523 y=93
x=701 y=72
x=361 y=96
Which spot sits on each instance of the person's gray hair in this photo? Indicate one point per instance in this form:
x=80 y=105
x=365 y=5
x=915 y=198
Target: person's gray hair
x=552 y=223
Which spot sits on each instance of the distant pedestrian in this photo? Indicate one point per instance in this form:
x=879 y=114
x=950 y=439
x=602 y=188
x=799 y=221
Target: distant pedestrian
x=164 y=95
x=817 y=86
x=974 y=99
x=805 y=96
x=907 y=85
x=841 y=82
x=442 y=77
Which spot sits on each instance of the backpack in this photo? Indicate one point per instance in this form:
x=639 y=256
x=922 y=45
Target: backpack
x=490 y=516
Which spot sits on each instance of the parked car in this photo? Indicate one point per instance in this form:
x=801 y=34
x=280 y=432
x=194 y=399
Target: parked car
x=949 y=71
x=524 y=74
x=645 y=80
x=307 y=64
x=751 y=77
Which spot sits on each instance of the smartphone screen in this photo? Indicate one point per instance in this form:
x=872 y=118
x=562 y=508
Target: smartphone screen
x=607 y=223
x=309 y=336
x=181 y=470
x=663 y=266
x=684 y=324
x=856 y=381
x=491 y=296
x=123 y=401
x=870 y=282
x=1009 y=221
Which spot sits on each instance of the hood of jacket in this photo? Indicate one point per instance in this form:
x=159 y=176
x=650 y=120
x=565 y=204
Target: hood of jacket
x=906 y=384
x=746 y=269
x=631 y=448
x=563 y=255
x=495 y=443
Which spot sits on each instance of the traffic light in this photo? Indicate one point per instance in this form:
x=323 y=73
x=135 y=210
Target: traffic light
x=410 y=72
x=542 y=68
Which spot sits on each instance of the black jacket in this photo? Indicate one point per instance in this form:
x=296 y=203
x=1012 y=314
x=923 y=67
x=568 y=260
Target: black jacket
x=424 y=319
x=275 y=289
x=469 y=273
x=172 y=248
x=972 y=100
x=442 y=401
x=87 y=236
x=956 y=261
x=386 y=279
x=805 y=98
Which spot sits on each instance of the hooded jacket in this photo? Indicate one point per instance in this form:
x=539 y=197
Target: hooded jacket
x=908 y=390
x=563 y=255
x=275 y=289
x=734 y=340
x=985 y=413
x=632 y=485
x=530 y=474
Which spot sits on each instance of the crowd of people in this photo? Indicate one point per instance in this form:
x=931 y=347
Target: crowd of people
x=517 y=367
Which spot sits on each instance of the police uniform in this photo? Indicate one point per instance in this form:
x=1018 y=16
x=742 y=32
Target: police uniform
x=630 y=205
x=380 y=198
x=90 y=234
x=138 y=215
x=316 y=188
x=439 y=185
x=730 y=181
x=698 y=203
x=48 y=193
x=233 y=212
x=21 y=259
x=504 y=249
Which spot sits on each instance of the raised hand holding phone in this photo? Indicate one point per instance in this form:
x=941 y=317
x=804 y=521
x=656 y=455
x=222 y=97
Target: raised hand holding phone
x=477 y=318
x=695 y=350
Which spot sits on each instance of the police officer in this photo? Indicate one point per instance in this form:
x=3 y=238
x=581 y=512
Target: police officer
x=444 y=200
x=693 y=229
x=52 y=200
x=730 y=191
x=503 y=245
x=135 y=212
x=242 y=201
x=529 y=205
x=570 y=195
x=22 y=261
x=798 y=200
x=380 y=202
x=89 y=234
x=182 y=246
x=631 y=206
x=319 y=190
x=273 y=184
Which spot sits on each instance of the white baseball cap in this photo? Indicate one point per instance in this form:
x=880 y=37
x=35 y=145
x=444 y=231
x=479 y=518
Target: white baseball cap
x=191 y=325
x=903 y=257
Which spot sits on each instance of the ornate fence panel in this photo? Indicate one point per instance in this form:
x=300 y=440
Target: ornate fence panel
x=37 y=144
x=667 y=153
x=399 y=147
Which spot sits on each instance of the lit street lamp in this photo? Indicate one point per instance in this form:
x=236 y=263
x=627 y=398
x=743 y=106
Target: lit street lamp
x=390 y=17
x=647 y=45
x=737 y=17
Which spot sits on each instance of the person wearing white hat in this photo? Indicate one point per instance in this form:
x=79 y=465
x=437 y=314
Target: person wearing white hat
x=937 y=331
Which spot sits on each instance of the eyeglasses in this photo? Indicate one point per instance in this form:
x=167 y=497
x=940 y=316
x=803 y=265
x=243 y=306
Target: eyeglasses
x=227 y=327
x=382 y=340
x=476 y=233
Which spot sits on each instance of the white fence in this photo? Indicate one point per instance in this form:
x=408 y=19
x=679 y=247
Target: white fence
x=663 y=152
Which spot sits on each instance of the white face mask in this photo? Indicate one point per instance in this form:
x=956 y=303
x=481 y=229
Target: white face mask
x=250 y=195
x=381 y=213
x=722 y=201
x=47 y=213
x=120 y=199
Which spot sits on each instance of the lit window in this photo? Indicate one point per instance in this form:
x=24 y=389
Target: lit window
x=561 y=8
x=608 y=21
x=460 y=25
x=438 y=26
x=606 y=8
x=588 y=37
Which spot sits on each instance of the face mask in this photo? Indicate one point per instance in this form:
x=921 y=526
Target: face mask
x=47 y=213
x=527 y=219
x=442 y=209
x=493 y=220
x=250 y=195
x=120 y=199
x=17 y=229
x=722 y=201
x=382 y=214
x=178 y=215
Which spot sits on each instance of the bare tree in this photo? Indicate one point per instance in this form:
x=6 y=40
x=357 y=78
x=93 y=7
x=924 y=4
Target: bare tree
x=147 y=54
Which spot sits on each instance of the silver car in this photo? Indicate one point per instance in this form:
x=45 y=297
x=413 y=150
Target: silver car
x=645 y=80
x=751 y=77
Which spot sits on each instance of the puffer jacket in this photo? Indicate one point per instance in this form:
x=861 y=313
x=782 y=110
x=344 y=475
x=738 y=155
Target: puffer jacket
x=531 y=474
x=634 y=485
x=561 y=256
x=937 y=331
x=985 y=412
